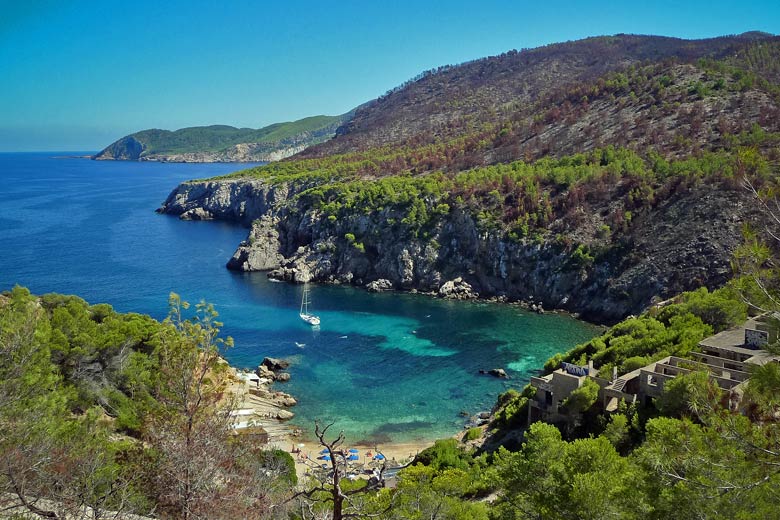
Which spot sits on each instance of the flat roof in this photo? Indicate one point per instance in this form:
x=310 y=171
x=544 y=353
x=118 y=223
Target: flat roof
x=732 y=339
x=762 y=357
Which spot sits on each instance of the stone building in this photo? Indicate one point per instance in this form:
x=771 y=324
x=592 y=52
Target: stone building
x=726 y=356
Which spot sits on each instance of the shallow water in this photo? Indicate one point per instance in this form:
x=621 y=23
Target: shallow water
x=385 y=367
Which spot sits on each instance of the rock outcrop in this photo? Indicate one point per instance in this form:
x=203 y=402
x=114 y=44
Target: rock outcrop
x=381 y=285
x=457 y=289
x=261 y=251
x=239 y=200
x=274 y=364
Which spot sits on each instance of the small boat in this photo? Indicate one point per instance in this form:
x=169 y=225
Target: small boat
x=311 y=319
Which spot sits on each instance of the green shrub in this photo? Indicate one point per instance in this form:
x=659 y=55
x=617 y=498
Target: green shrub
x=582 y=398
x=472 y=434
x=680 y=393
x=581 y=257
x=445 y=453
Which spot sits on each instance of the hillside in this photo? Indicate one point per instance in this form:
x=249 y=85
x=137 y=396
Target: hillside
x=520 y=88
x=220 y=143
x=596 y=176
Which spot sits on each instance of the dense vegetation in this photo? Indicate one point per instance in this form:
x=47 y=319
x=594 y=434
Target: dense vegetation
x=108 y=412
x=549 y=197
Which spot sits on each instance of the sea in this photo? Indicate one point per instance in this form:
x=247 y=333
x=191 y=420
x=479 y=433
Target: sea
x=383 y=368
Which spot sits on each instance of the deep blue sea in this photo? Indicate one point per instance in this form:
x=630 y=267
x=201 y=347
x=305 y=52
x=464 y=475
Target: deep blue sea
x=385 y=367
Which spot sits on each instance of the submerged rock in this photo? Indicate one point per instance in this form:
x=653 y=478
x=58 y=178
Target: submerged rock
x=497 y=372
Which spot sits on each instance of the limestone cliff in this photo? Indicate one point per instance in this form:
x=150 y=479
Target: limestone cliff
x=683 y=243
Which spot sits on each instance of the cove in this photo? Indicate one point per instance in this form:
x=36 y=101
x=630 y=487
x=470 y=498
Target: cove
x=384 y=367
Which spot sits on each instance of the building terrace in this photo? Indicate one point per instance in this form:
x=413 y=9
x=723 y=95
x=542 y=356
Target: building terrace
x=726 y=356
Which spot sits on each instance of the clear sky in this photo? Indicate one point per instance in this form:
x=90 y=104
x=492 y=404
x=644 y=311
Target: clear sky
x=77 y=75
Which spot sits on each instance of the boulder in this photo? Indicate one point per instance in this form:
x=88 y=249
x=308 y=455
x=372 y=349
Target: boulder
x=285 y=400
x=284 y=415
x=283 y=377
x=380 y=285
x=497 y=372
x=457 y=289
x=265 y=373
x=274 y=364
x=196 y=214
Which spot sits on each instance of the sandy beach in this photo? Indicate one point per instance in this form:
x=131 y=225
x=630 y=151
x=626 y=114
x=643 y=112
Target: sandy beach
x=260 y=406
x=397 y=454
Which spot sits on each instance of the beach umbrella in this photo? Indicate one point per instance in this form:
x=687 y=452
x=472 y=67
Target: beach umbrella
x=325 y=457
x=379 y=456
x=326 y=450
x=353 y=450
x=353 y=457
x=301 y=445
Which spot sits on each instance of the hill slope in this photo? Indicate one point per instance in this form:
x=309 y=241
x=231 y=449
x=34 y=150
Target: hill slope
x=597 y=184
x=454 y=101
x=220 y=143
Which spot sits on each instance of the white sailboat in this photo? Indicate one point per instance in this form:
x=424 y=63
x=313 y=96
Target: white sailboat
x=311 y=319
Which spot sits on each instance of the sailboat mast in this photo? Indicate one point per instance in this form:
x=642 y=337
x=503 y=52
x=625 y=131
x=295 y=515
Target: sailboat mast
x=305 y=300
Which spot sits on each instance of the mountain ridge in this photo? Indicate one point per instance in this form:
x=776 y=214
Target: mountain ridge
x=443 y=102
x=223 y=143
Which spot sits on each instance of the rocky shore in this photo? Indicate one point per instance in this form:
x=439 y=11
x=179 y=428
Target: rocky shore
x=260 y=408
x=683 y=243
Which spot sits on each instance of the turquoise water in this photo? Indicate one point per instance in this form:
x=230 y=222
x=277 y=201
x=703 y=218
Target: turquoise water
x=385 y=367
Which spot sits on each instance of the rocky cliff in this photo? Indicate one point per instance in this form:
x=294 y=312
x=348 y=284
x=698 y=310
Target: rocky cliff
x=683 y=243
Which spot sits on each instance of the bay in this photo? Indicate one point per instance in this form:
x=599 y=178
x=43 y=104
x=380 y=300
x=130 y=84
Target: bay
x=383 y=367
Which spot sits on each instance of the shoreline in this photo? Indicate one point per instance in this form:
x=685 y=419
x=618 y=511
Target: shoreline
x=527 y=304
x=259 y=406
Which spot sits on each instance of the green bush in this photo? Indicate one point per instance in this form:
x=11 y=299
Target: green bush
x=681 y=392
x=583 y=397
x=472 y=434
x=445 y=453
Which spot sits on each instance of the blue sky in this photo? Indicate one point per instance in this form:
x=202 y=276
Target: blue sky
x=76 y=75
